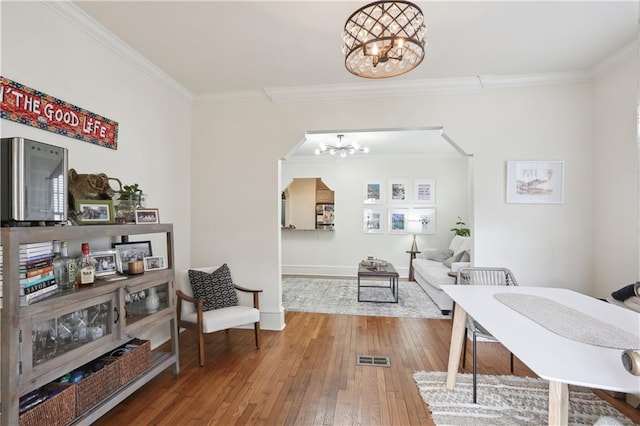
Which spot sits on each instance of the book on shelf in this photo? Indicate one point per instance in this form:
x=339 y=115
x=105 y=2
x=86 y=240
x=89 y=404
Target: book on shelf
x=28 y=273
x=38 y=288
x=30 y=282
x=36 y=247
x=33 y=258
x=38 y=244
x=38 y=295
x=36 y=264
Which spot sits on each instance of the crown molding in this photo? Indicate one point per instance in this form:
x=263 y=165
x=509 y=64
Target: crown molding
x=523 y=80
x=364 y=90
x=244 y=95
x=621 y=56
x=93 y=28
x=386 y=89
x=378 y=89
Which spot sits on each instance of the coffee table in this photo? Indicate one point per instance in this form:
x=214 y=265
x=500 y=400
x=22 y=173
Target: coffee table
x=383 y=272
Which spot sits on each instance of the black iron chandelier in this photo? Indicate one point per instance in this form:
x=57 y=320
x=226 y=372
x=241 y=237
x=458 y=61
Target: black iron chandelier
x=384 y=39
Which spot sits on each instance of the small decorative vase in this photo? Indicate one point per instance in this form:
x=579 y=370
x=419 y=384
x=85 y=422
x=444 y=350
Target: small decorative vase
x=152 y=301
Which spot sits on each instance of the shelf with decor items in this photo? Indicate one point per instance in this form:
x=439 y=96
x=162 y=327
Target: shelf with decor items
x=43 y=341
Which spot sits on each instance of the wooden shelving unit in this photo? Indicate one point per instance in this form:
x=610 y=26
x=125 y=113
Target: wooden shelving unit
x=21 y=374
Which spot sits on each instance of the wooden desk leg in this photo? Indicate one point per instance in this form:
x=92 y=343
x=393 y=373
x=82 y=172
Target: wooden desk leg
x=558 y=403
x=455 y=349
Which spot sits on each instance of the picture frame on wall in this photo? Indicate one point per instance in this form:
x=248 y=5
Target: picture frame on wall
x=535 y=182
x=398 y=191
x=424 y=220
x=373 y=220
x=373 y=192
x=94 y=212
x=398 y=221
x=424 y=191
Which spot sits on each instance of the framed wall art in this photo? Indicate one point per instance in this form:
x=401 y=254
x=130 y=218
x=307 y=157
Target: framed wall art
x=535 y=182
x=423 y=221
x=398 y=191
x=94 y=212
x=373 y=192
x=424 y=191
x=398 y=221
x=373 y=220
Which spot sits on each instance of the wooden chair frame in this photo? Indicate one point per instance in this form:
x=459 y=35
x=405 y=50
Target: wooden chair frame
x=198 y=327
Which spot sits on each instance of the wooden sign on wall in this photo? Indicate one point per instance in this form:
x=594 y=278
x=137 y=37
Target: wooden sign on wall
x=24 y=105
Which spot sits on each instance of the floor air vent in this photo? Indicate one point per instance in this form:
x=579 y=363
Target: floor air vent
x=380 y=361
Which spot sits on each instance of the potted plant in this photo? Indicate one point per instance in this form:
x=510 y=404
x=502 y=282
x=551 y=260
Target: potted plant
x=131 y=197
x=461 y=228
x=131 y=192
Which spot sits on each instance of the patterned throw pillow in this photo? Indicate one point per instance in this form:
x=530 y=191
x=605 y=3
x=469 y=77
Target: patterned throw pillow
x=215 y=288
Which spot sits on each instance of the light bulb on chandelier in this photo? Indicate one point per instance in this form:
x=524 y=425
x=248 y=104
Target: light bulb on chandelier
x=340 y=148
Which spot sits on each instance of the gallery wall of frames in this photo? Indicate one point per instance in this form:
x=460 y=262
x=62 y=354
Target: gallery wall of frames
x=399 y=206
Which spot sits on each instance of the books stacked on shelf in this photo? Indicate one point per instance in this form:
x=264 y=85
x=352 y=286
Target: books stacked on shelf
x=37 y=280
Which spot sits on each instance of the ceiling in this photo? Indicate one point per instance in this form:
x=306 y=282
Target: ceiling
x=214 y=47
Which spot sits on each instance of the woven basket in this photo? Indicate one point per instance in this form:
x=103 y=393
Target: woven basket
x=60 y=410
x=133 y=362
x=94 y=388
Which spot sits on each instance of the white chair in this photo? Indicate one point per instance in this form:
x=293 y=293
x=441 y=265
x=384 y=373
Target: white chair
x=482 y=276
x=192 y=316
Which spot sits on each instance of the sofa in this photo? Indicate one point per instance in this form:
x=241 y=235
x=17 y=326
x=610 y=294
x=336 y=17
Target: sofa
x=430 y=268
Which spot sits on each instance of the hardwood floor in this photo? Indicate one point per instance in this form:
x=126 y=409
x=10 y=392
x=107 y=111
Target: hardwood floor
x=307 y=375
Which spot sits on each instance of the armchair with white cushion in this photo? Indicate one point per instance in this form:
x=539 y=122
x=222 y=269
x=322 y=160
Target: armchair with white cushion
x=192 y=315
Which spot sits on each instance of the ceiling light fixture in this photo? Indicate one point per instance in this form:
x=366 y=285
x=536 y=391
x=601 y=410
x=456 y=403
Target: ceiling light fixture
x=340 y=149
x=384 y=39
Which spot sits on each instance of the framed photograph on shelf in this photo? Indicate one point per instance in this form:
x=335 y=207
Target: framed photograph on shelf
x=398 y=221
x=153 y=263
x=398 y=191
x=107 y=262
x=424 y=191
x=423 y=221
x=94 y=212
x=372 y=193
x=147 y=215
x=133 y=250
x=373 y=220
x=535 y=182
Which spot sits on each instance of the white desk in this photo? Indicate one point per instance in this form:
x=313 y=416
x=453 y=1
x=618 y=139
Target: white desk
x=559 y=360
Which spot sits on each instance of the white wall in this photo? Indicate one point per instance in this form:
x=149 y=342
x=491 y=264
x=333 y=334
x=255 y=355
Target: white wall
x=43 y=50
x=338 y=252
x=615 y=184
x=544 y=245
x=222 y=192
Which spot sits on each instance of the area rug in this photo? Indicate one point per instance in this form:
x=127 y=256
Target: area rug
x=506 y=400
x=340 y=296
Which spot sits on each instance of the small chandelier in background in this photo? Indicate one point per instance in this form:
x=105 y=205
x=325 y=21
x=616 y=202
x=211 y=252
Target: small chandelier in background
x=340 y=149
x=384 y=39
